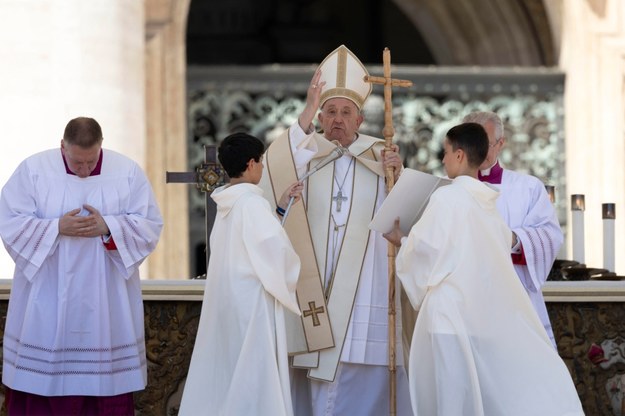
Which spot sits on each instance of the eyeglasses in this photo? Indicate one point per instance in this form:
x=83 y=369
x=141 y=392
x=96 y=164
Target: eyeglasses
x=494 y=144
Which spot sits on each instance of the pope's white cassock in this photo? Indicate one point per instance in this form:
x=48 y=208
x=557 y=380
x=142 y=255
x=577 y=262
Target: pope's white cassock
x=478 y=346
x=75 y=318
x=525 y=206
x=240 y=362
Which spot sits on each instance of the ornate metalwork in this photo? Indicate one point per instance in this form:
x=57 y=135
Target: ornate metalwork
x=212 y=177
x=264 y=101
x=208 y=175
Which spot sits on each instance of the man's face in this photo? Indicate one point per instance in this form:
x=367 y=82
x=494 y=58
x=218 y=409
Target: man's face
x=79 y=160
x=256 y=170
x=340 y=120
x=450 y=160
x=494 y=146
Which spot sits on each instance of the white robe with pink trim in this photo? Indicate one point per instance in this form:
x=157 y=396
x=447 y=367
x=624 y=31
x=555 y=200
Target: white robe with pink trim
x=525 y=206
x=75 y=318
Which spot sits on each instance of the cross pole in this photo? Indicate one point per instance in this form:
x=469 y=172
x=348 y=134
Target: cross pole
x=389 y=132
x=207 y=177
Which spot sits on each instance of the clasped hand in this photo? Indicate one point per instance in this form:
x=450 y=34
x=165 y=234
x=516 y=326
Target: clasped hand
x=292 y=191
x=92 y=225
x=395 y=235
x=391 y=159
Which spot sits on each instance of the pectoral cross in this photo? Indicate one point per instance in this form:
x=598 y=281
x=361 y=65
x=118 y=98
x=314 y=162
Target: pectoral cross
x=339 y=198
x=314 y=312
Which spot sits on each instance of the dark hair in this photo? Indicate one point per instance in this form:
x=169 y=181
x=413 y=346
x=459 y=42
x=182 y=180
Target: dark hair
x=236 y=150
x=472 y=139
x=84 y=132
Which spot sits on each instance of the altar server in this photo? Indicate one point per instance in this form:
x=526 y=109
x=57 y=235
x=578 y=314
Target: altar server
x=478 y=346
x=239 y=365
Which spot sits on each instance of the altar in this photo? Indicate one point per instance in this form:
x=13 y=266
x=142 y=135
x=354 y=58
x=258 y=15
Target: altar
x=587 y=318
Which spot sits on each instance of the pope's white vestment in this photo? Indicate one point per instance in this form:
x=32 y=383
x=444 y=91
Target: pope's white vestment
x=525 y=207
x=240 y=361
x=478 y=346
x=360 y=385
x=75 y=317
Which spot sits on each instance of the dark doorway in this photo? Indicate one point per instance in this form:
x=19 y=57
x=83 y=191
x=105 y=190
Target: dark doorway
x=256 y=32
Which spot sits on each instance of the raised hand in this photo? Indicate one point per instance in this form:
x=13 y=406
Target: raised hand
x=313 y=98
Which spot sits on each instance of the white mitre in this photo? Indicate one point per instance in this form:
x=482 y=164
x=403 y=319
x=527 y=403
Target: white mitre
x=344 y=76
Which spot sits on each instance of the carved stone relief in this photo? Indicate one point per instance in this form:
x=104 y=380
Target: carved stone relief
x=590 y=338
x=591 y=341
x=171 y=328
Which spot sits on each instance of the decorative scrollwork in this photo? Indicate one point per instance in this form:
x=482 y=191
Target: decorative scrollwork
x=533 y=125
x=265 y=103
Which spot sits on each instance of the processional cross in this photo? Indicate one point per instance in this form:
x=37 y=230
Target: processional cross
x=207 y=177
x=388 y=133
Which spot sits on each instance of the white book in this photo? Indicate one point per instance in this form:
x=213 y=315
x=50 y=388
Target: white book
x=407 y=200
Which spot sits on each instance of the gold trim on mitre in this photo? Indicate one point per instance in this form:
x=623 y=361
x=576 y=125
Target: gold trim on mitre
x=344 y=76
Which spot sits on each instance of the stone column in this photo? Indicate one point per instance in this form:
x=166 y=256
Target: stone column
x=63 y=59
x=592 y=55
x=165 y=98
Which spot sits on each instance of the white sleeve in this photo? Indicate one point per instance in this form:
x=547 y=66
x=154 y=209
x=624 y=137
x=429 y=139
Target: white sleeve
x=425 y=257
x=303 y=148
x=137 y=230
x=540 y=236
x=271 y=254
x=29 y=237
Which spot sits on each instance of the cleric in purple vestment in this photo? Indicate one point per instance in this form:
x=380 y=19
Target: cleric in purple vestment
x=525 y=206
x=78 y=221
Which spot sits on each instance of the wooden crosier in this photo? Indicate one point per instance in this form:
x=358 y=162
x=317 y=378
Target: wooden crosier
x=388 y=133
